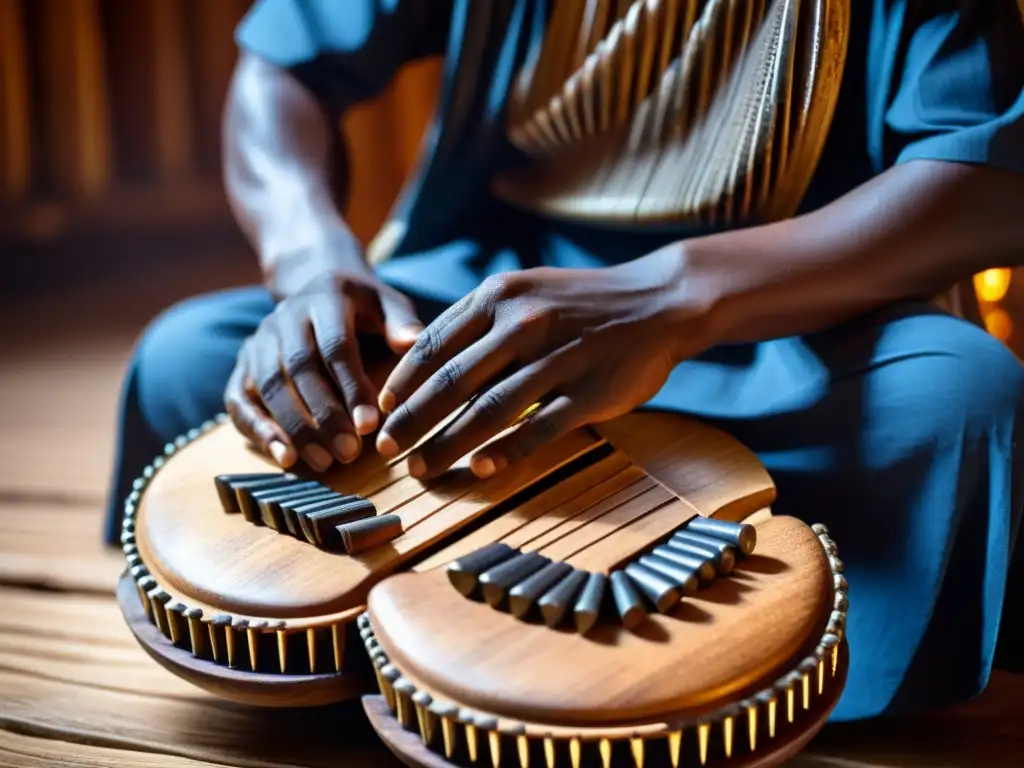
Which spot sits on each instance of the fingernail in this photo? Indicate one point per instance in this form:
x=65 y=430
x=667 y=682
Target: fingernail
x=386 y=446
x=482 y=466
x=281 y=453
x=417 y=466
x=346 y=446
x=317 y=458
x=365 y=418
x=386 y=401
x=409 y=332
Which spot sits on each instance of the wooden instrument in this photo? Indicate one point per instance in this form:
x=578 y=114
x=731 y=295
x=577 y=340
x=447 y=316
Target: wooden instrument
x=626 y=584
x=645 y=610
x=713 y=112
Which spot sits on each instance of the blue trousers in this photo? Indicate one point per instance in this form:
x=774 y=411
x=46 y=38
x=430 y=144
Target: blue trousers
x=898 y=430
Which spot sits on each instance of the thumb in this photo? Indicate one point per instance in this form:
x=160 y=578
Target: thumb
x=401 y=326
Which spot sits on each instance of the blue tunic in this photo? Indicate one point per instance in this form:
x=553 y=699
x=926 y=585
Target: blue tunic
x=898 y=430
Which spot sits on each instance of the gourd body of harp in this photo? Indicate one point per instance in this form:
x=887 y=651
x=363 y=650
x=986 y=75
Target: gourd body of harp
x=711 y=112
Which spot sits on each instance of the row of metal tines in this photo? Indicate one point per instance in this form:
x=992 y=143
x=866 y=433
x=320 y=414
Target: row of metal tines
x=528 y=584
x=307 y=510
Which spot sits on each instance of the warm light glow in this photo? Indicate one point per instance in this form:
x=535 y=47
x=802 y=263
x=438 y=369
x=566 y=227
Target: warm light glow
x=998 y=323
x=992 y=284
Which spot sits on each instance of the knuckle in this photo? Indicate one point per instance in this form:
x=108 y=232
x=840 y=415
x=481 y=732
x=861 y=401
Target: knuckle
x=334 y=347
x=269 y=383
x=427 y=345
x=324 y=413
x=448 y=378
x=533 y=316
x=491 y=406
x=498 y=287
x=299 y=361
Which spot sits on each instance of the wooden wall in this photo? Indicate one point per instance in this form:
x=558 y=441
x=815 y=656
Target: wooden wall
x=110 y=120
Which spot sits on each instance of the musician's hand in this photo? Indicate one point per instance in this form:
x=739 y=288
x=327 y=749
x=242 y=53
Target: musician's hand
x=299 y=387
x=587 y=344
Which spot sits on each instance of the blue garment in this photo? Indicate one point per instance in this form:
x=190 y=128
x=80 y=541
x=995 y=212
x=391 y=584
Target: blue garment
x=897 y=430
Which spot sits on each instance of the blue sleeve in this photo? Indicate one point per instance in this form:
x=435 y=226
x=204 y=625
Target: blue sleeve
x=345 y=51
x=949 y=82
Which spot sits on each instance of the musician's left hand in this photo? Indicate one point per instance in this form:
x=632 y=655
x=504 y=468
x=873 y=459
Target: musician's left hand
x=588 y=345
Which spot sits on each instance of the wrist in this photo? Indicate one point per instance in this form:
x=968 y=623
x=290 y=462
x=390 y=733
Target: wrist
x=696 y=310
x=329 y=251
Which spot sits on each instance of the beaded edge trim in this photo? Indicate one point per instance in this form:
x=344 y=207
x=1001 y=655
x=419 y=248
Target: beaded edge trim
x=227 y=637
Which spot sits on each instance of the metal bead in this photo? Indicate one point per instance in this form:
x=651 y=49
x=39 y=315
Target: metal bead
x=486 y=722
x=766 y=696
x=838 y=631
x=820 y=529
x=840 y=603
x=138 y=572
x=835 y=564
x=840 y=583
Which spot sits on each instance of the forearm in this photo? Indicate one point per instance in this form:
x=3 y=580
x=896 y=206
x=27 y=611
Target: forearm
x=912 y=232
x=278 y=148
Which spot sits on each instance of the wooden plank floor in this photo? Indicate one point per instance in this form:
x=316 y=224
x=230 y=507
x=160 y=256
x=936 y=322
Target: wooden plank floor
x=76 y=690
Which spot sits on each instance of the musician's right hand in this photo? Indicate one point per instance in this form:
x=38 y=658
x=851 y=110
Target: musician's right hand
x=299 y=387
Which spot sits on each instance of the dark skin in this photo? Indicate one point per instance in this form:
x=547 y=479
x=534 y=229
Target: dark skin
x=586 y=344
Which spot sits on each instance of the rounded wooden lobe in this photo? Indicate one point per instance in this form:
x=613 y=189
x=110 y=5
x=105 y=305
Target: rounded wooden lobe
x=714 y=645
x=225 y=562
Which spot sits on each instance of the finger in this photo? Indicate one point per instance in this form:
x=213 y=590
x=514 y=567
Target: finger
x=498 y=407
x=332 y=425
x=449 y=388
x=401 y=325
x=334 y=328
x=455 y=329
x=248 y=416
x=545 y=425
x=280 y=399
